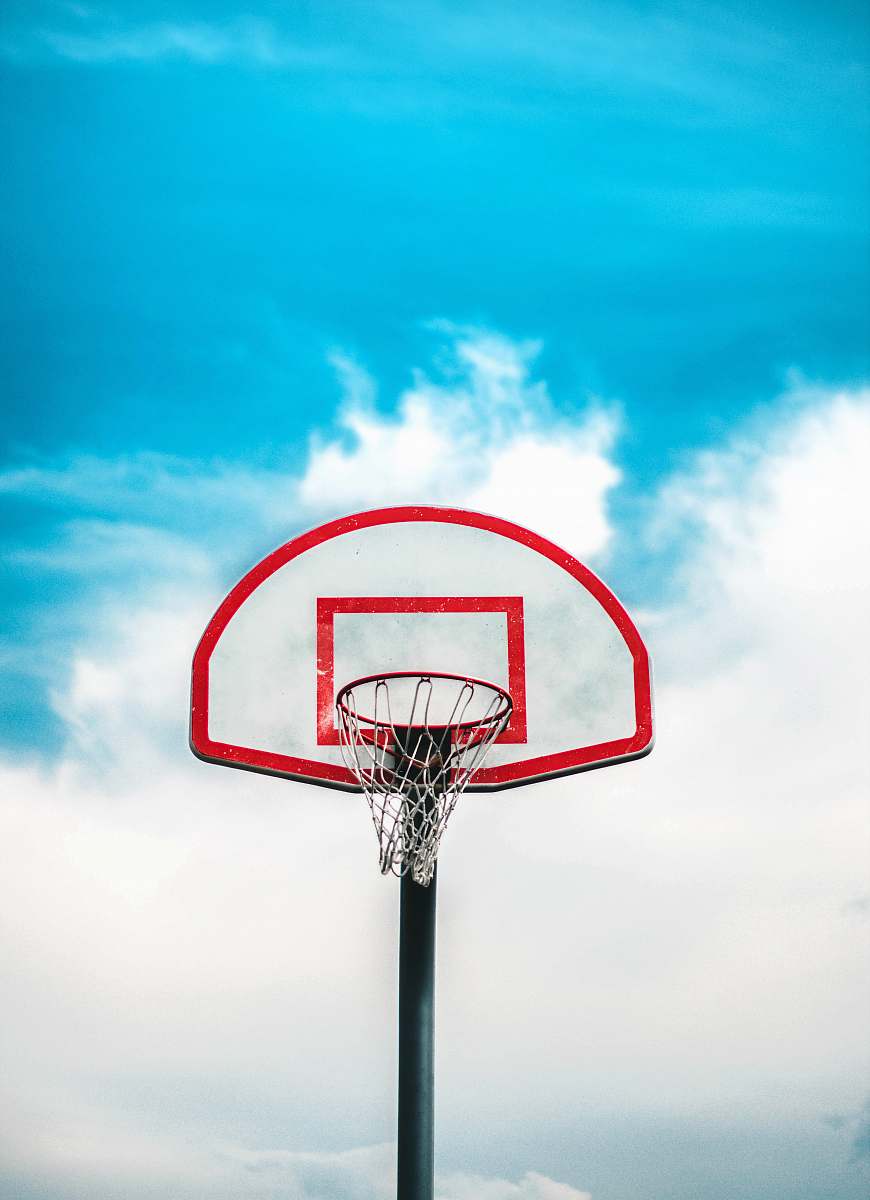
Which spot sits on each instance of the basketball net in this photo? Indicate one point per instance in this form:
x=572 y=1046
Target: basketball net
x=414 y=742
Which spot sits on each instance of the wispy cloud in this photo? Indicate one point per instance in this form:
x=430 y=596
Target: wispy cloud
x=532 y=1186
x=702 y=57
x=146 y=482
x=147 y=513
x=243 y=40
x=105 y=548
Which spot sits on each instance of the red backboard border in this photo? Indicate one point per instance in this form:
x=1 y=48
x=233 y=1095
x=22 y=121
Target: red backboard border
x=488 y=778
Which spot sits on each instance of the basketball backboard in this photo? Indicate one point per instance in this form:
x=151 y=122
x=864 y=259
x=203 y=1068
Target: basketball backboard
x=421 y=589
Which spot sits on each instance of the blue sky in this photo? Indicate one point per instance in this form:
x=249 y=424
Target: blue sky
x=200 y=202
x=249 y=253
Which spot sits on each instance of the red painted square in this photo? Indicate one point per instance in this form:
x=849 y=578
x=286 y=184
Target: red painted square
x=329 y=606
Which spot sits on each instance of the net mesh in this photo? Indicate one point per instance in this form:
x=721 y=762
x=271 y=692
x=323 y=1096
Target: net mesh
x=414 y=743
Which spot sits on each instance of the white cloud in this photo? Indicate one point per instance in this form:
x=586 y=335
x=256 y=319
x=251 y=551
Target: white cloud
x=366 y=1173
x=532 y=1186
x=487 y=438
x=713 y=953
x=392 y=459
x=558 y=486
x=124 y=707
x=781 y=546
x=673 y=936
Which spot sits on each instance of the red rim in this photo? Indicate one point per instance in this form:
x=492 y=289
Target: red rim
x=499 y=715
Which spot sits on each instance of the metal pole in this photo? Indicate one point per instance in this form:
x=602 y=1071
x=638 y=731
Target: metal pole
x=416 y=1175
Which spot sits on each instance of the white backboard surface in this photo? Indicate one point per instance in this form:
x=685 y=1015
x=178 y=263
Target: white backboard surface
x=421 y=589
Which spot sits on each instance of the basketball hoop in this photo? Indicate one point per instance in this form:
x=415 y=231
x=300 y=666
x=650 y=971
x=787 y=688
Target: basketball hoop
x=414 y=741
x=451 y=587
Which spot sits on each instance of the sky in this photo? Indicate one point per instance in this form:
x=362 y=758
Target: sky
x=602 y=269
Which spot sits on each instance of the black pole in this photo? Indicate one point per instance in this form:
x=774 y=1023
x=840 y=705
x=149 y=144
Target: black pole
x=416 y=1174
x=416 y=1167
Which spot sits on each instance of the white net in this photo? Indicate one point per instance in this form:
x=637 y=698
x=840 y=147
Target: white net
x=414 y=742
